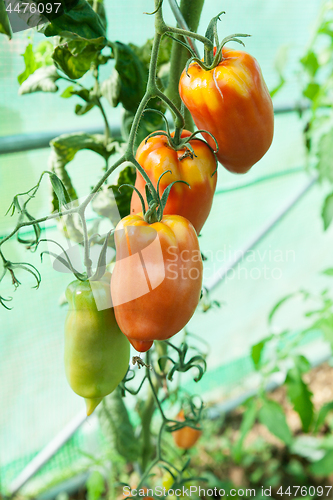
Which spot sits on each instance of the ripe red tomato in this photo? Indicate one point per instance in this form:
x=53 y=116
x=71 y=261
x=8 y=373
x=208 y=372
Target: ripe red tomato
x=156 y=156
x=233 y=103
x=156 y=282
x=186 y=437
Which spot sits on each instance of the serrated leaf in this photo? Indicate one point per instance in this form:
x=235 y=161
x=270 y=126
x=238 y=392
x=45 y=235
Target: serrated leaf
x=327 y=211
x=272 y=416
x=42 y=80
x=300 y=396
x=5 y=27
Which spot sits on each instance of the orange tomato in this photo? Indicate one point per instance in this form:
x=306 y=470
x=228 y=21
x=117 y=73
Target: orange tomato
x=157 y=278
x=186 y=437
x=233 y=103
x=193 y=203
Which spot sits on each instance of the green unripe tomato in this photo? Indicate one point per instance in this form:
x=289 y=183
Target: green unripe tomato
x=96 y=351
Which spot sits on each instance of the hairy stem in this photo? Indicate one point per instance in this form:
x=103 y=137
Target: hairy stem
x=191 y=10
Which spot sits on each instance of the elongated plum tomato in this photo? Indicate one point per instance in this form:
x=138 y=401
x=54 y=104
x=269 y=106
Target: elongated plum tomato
x=233 y=103
x=156 y=156
x=186 y=437
x=156 y=282
x=96 y=351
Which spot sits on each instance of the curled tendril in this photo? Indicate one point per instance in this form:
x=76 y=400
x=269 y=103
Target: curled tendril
x=130 y=375
x=181 y=365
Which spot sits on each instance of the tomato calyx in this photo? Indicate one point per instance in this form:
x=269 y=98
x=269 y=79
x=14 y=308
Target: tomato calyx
x=176 y=142
x=213 y=56
x=156 y=204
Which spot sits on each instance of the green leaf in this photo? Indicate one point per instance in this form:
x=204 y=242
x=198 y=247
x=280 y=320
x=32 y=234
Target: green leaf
x=117 y=427
x=82 y=110
x=124 y=196
x=72 y=64
x=256 y=351
x=323 y=467
x=67 y=145
x=328 y=272
x=100 y=11
x=248 y=420
x=42 y=80
x=300 y=396
x=64 y=149
x=4 y=21
x=111 y=88
x=132 y=75
x=67 y=93
x=144 y=52
x=327 y=211
x=323 y=412
x=60 y=191
x=271 y=415
x=278 y=305
x=30 y=64
x=325 y=155
x=81 y=92
x=43 y=53
x=310 y=63
x=95 y=486
x=311 y=91
x=81 y=20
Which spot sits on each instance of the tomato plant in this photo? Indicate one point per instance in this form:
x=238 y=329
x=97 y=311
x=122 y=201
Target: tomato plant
x=96 y=351
x=156 y=282
x=157 y=278
x=197 y=167
x=232 y=102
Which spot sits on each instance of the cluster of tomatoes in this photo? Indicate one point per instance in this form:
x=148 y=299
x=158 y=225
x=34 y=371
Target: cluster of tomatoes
x=157 y=279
